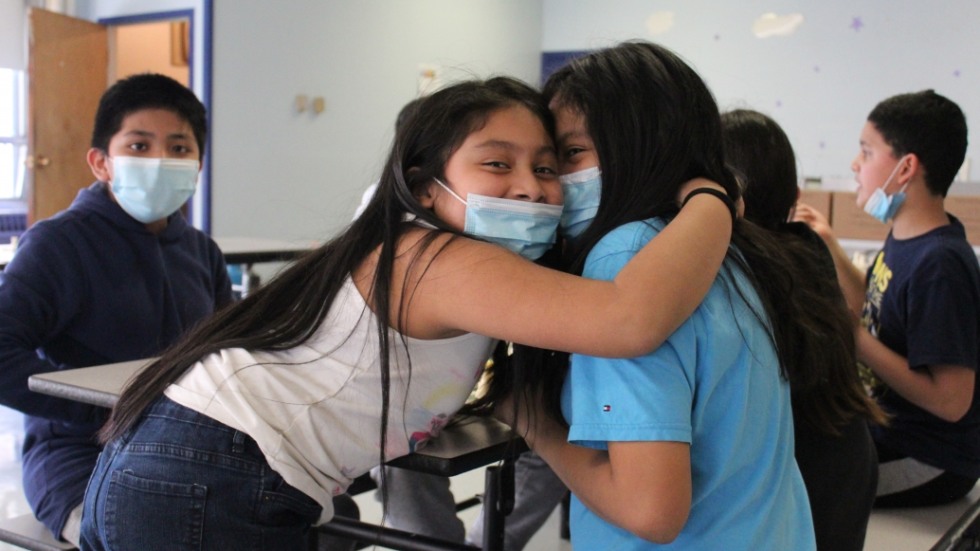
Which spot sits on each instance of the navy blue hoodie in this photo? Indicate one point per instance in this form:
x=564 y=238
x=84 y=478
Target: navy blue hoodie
x=92 y=286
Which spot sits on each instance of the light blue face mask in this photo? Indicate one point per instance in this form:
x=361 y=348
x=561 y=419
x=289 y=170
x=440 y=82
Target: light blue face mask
x=526 y=228
x=882 y=206
x=151 y=189
x=582 y=191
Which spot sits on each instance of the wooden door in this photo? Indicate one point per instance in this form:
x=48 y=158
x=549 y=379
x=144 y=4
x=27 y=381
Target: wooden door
x=68 y=72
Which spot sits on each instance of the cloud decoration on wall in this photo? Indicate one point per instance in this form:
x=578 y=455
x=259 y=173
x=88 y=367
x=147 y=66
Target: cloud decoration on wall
x=660 y=22
x=770 y=24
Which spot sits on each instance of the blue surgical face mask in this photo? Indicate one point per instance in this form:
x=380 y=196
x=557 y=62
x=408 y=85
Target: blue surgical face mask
x=151 y=189
x=882 y=206
x=582 y=191
x=526 y=228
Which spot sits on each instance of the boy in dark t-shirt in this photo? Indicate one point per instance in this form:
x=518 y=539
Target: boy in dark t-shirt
x=919 y=301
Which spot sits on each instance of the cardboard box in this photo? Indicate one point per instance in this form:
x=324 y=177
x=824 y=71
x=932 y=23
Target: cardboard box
x=817 y=199
x=967 y=209
x=850 y=222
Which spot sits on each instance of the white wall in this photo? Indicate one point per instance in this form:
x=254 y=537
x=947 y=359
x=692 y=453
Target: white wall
x=820 y=82
x=279 y=173
x=12 y=31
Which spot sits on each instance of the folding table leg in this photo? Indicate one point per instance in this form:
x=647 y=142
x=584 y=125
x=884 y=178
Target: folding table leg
x=498 y=502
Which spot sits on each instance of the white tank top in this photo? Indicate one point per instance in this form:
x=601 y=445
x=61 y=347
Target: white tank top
x=315 y=410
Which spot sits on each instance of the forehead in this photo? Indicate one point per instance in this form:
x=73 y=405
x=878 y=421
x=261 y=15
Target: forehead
x=515 y=124
x=569 y=122
x=157 y=120
x=870 y=135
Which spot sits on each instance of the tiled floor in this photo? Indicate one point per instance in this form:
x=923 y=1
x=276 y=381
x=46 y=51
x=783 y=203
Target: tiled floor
x=12 y=502
x=914 y=529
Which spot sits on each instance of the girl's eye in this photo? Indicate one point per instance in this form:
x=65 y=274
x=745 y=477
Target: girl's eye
x=496 y=164
x=546 y=170
x=572 y=151
x=181 y=149
x=139 y=147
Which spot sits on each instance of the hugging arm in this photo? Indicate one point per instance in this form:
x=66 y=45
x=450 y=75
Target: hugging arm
x=479 y=288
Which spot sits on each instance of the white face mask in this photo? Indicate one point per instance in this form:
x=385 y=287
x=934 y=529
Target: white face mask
x=528 y=229
x=151 y=189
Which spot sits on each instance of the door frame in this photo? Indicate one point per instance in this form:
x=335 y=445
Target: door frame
x=200 y=219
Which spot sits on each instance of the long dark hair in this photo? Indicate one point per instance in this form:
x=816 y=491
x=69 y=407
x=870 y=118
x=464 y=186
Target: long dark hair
x=286 y=312
x=655 y=125
x=759 y=150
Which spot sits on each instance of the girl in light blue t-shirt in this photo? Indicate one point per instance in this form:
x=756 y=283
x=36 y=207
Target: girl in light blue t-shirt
x=689 y=446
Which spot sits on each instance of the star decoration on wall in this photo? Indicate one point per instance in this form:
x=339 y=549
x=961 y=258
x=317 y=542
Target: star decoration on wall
x=857 y=24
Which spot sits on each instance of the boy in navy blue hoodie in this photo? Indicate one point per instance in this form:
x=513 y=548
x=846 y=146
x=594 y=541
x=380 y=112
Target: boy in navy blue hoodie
x=118 y=276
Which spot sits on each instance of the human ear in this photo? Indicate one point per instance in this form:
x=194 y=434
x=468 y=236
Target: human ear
x=422 y=191
x=425 y=196
x=98 y=161
x=909 y=167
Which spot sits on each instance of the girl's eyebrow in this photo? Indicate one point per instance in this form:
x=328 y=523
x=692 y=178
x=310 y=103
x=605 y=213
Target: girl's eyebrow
x=571 y=134
x=511 y=146
x=496 y=144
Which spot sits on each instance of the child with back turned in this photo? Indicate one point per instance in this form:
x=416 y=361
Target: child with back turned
x=831 y=410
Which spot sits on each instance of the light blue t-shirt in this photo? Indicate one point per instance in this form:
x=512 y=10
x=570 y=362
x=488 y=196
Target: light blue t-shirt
x=715 y=384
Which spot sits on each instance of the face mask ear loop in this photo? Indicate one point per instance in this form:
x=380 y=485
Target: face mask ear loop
x=451 y=192
x=906 y=184
x=888 y=182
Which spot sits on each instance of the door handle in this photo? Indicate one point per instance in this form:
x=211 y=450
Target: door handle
x=39 y=161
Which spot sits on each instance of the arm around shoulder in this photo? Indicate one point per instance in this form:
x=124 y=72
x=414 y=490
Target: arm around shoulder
x=480 y=288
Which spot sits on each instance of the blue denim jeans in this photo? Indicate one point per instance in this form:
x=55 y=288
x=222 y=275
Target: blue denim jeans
x=182 y=481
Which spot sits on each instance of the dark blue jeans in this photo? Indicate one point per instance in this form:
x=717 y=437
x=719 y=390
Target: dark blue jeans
x=182 y=481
